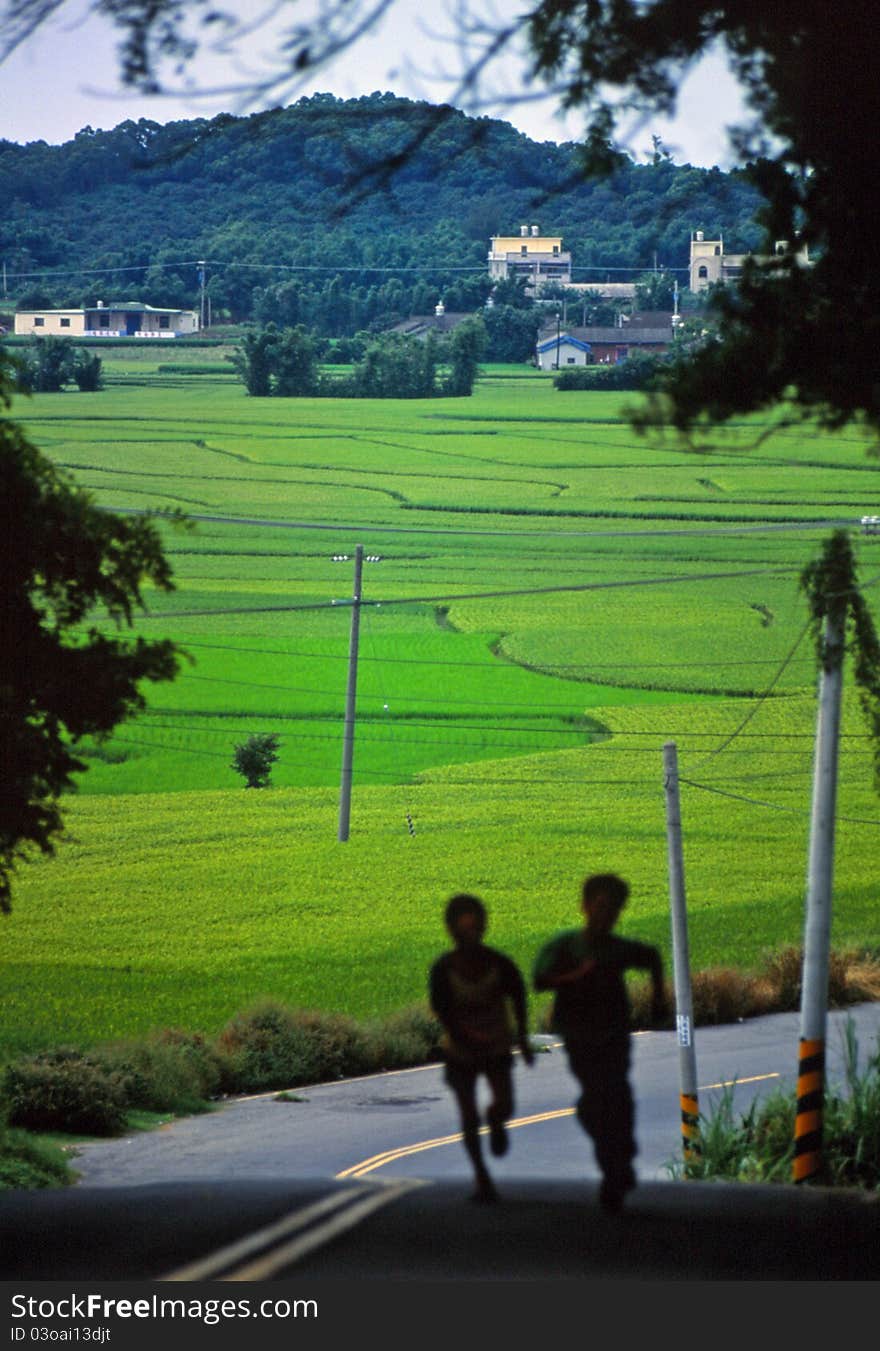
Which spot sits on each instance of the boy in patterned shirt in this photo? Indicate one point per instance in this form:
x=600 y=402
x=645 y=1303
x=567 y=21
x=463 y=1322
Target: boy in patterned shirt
x=479 y=996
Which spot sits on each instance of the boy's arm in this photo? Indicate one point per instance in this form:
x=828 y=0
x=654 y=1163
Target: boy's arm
x=550 y=970
x=659 y=1005
x=516 y=988
x=440 y=999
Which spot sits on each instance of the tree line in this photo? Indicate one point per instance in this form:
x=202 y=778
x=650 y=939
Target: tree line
x=284 y=362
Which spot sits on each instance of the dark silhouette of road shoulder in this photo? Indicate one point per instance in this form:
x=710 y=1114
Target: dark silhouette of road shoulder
x=539 y=1230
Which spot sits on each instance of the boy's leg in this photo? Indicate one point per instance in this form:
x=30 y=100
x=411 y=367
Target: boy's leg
x=464 y=1085
x=605 y=1109
x=615 y=1127
x=500 y=1110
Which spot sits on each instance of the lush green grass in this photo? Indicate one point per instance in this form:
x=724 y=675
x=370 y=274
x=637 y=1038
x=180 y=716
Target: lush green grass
x=523 y=731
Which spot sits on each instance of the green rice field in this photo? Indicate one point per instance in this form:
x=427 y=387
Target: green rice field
x=555 y=597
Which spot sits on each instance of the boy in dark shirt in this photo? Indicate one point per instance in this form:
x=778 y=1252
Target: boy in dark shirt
x=585 y=967
x=479 y=997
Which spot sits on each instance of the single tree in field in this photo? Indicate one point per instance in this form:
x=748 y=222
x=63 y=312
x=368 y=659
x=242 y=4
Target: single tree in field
x=87 y=371
x=295 y=364
x=50 y=365
x=254 y=360
x=253 y=759
x=65 y=562
x=466 y=347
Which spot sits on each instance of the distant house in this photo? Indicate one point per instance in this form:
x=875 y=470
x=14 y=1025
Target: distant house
x=710 y=264
x=420 y=325
x=600 y=345
x=129 y=319
x=537 y=258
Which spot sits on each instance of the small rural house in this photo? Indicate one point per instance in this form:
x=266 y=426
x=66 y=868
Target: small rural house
x=420 y=325
x=130 y=319
x=601 y=345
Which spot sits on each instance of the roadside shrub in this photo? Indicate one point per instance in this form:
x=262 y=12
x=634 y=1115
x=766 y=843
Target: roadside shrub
x=29 y=1164
x=409 y=1037
x=724 y=995
x=273 y=1046
x=65 y=1090
x=172 y=1071
x=853 y=977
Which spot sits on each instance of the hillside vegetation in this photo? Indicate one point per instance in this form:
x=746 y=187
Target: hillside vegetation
x=300 y=222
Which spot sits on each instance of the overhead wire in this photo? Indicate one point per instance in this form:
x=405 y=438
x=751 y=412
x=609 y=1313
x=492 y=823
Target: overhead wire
x=759 y=703
x=774 y=806
x=566 y=588
x=484 y=665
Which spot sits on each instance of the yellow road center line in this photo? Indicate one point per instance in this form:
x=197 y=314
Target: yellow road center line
x=732 y=1083
x=266 y=1266
x=406 y=1151
x=205 y=1268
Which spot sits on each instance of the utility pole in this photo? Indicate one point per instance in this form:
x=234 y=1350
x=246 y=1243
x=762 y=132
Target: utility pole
x=817 y=923
x=350 y=696
x=687 y=1056
x=201 y=267
x=558 y=331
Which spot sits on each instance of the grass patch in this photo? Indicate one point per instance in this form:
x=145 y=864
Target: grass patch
x=758 y=1146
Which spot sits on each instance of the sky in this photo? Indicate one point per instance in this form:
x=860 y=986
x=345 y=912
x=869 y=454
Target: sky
x=64 y=77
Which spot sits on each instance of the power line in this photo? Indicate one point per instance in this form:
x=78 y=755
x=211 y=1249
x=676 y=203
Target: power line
x=573 y=708
x=570 y=588
x=775 y=806
x=767 y=692
x=219 y=264
x=506 y=663
x=718 y=528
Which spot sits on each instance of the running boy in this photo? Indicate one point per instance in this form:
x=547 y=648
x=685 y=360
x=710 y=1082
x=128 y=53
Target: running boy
x=479 y=997
x=585 y=967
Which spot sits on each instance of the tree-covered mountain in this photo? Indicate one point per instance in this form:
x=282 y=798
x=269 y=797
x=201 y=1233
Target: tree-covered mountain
x=334 y=213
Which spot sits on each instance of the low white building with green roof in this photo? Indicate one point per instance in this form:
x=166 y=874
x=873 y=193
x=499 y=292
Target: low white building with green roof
x=128 y=319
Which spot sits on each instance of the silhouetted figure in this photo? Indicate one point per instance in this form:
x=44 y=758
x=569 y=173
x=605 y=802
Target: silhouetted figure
x=479 y=997
x=592 y=1013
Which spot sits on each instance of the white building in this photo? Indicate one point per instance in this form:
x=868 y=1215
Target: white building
x=129 y=319
x=709 y=263
x=539 y=258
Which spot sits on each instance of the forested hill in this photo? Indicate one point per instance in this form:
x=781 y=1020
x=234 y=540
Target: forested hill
x=297 y=188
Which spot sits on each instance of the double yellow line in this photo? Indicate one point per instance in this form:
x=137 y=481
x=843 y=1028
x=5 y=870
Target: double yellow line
x=260 y=1255
x=406 y=1151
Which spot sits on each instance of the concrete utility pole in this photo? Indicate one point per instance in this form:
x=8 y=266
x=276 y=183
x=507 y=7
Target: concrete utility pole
x=687 y=1056
x=817 y=924
x=201 y=267
x=350 y=697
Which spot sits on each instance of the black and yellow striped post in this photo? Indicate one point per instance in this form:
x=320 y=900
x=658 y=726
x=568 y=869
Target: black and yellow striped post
x=808 y=1118
x=690 y=1128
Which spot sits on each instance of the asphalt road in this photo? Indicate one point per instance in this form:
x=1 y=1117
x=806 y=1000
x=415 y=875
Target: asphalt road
x=367 y=1179
x=403 y=1125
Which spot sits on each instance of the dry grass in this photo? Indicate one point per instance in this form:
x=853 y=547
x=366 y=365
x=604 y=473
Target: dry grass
x=725 y=994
